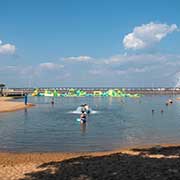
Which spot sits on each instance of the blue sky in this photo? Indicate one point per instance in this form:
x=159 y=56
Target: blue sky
x=90 y=43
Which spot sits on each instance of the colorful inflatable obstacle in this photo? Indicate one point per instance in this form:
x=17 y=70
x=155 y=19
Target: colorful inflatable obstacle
x=51 y=94
x=56 y=94
x=71 y=92
x=37 y=93
x=48 y=93
x=81 y=93
x=97 y=93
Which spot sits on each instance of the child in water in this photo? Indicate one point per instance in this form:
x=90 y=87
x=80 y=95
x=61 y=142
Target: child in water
x=83 y=117
x=52 y=101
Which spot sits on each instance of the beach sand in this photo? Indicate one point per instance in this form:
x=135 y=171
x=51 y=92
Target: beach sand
x=151 y=163
x=8 y=106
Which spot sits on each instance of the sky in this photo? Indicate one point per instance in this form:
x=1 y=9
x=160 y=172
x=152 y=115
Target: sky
x=90 y=43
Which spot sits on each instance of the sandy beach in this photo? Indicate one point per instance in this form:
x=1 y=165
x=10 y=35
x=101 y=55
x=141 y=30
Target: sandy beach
x=157 y=163
x=6 y=105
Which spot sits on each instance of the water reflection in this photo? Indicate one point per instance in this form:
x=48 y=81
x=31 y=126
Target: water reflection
x=83 y=128
x=25 y=113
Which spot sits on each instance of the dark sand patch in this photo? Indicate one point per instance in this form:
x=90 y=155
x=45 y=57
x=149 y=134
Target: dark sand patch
x=153 y=163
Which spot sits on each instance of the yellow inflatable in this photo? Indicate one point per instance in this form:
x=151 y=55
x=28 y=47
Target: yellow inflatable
x=97 y=93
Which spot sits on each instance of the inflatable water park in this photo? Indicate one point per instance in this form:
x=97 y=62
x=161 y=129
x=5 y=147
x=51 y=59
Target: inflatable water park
x=82 y=93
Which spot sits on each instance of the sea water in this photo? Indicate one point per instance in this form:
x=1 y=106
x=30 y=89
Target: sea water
x=116 y=123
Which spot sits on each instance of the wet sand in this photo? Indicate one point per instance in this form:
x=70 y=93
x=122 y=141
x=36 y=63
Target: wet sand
x=6 y=105
x=151 y=163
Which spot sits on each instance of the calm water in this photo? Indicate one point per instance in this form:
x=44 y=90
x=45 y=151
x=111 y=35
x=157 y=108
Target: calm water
x=117 y=123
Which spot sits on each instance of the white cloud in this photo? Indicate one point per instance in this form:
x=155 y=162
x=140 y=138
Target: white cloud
x=137 y=58
x=7 y=48
x=9 y=68
x=50 y=66
x=78 y=58
x=139 y=69
x=147 y=34
x=118 y=70
x=39 y=69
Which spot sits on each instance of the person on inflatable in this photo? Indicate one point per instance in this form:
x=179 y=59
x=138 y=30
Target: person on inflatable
x=83 y=117
x=87 y=109
x=83 y=108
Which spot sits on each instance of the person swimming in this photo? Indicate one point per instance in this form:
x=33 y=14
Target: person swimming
x=83 y=117
x=170 y=101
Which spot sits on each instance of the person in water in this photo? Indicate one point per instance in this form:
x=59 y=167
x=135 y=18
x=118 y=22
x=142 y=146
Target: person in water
x=87 y=109
x=83 y=108
x=25 y=98
x=170 y=101
x=52 y=101
x=83 y=117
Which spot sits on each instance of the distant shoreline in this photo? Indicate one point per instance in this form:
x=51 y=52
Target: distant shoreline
x=89 y=90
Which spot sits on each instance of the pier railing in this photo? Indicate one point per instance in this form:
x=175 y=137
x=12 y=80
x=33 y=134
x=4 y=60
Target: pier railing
x=12 y=92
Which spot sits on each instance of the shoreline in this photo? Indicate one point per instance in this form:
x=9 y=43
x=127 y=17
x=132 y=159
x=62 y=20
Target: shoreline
x=7 y=105
x=15 y=165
